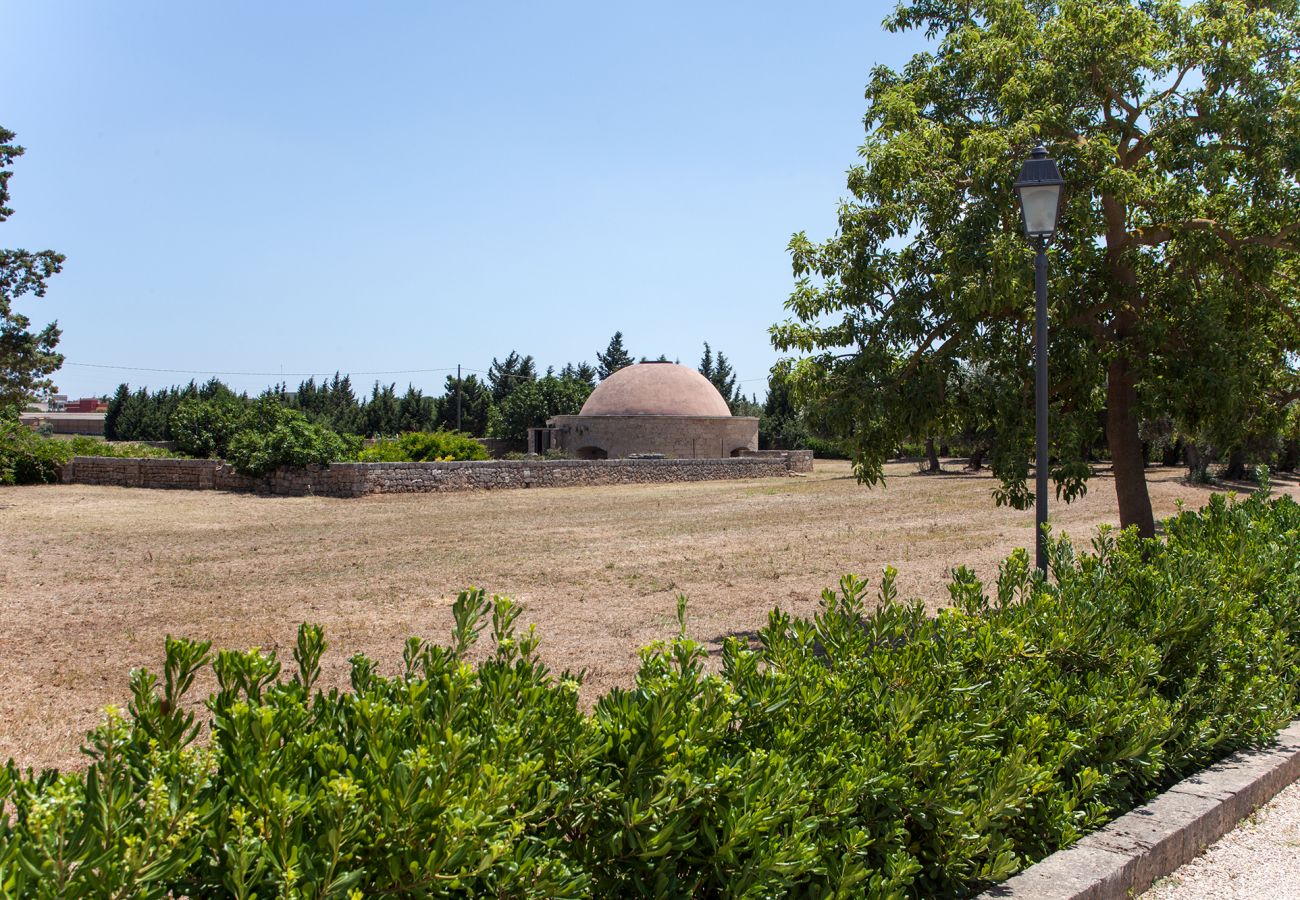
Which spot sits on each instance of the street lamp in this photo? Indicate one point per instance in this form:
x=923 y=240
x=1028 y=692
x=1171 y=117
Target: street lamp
x=1039 y=190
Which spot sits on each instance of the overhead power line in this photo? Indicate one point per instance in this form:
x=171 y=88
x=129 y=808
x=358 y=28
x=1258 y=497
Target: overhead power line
x=322 y=373
x=260 y=374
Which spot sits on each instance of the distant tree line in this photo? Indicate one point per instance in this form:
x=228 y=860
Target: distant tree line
x=511 y=398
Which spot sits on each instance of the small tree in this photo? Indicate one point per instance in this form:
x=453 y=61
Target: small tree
x=614 y=358
x=27 y=358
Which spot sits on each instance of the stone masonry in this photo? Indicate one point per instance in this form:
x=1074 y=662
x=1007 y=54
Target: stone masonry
x=359 y=479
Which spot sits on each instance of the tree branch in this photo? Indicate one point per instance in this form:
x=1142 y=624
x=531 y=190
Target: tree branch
x=942 y=350
x=1159 y=234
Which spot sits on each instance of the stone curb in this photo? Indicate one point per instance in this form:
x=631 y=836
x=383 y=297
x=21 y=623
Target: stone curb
x=1123 y=859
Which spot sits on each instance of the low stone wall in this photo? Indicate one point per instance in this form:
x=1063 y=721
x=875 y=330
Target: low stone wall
x=359 y=479
x=800 y=461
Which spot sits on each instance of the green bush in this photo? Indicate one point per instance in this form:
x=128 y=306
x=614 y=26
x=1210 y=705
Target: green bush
x=826 y=449
x=27 y=457
x=204 y=428
x=855 y=754
x=425 y=446
x=274 y=435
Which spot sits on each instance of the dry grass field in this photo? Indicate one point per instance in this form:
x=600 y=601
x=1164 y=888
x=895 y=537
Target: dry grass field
x=92 y=578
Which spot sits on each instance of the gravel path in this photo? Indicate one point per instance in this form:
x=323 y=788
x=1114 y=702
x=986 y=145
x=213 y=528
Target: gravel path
x=1259 y=860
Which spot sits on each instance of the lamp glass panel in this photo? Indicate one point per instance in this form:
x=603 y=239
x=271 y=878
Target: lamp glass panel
x=1038 y=204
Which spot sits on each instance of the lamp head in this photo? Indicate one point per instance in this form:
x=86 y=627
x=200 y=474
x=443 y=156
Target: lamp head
x=1039 y=190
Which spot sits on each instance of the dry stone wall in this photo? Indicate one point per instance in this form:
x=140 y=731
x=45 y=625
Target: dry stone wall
x=359 y=479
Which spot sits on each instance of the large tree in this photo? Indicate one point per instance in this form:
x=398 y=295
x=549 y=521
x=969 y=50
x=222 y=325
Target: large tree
x=530 y=405
x=27 y=357
x=1173 y=292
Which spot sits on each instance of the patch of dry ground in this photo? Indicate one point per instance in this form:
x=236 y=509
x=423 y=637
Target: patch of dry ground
x=93 y=578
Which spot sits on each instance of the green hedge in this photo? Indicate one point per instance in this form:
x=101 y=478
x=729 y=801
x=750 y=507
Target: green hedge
x=425 y=446
x=855 y=754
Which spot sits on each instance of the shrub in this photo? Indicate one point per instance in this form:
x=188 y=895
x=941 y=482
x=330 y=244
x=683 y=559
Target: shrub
x=204 y=428
x=826 y=449
x=27 y=457
x=881 y=754
x=425 y=446
x=275 y=436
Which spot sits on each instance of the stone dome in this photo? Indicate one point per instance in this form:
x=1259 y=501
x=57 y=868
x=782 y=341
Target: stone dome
x=655 y=389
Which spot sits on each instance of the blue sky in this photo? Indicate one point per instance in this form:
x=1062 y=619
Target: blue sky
x=304 y=187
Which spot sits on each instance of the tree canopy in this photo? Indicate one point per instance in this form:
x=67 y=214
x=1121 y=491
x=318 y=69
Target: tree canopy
x=1173 y=289
x=718 y=370
x=614 y=358
x=27 y=358
x=533 y=403
x=505 y=376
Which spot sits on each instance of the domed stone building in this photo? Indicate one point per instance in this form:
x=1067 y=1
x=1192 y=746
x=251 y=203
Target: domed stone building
x=651 y=408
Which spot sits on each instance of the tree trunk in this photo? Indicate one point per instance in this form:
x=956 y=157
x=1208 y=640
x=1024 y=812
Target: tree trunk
x=932 y=455
x=1172 y=453
x=976 y=459
x=1236 y=468
x=1290 y=456
x=1127 y=460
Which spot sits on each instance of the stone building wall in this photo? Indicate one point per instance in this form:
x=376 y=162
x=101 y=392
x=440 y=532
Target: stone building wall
x=678 y=437
x=359 y=479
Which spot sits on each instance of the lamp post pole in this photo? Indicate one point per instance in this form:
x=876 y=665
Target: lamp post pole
x=1039 y=189
x=1040 y=403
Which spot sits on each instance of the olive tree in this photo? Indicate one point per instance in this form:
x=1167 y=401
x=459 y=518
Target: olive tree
x=1173 y=291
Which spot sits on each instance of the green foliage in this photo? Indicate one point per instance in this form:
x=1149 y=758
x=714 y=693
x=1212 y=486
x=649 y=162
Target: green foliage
x=475 y=405
x=143 y=415
x=275 y=436
x=379 y=415
x=27 y=358
x=27 y=457
x=149 y=416
x=1174 y=270
x=718 y=370
x=583 y=371
x=862 y=753
x=332 y=403
x=780 y=425
x=614 y=358
x=204 y=428
x=532 y=403
x=504 y=377
x=425 y=446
